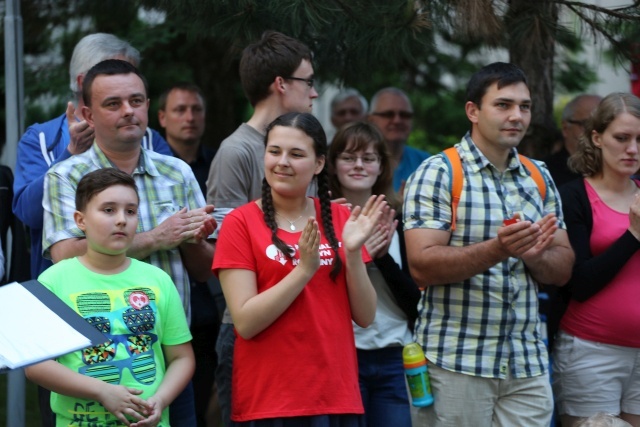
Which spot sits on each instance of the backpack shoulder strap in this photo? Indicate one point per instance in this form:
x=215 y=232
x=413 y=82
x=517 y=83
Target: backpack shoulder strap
x=536 y=174
x=452 y=158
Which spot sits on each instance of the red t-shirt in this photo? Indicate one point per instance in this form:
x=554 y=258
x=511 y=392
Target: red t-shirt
x=305 y=362
x=611 y=316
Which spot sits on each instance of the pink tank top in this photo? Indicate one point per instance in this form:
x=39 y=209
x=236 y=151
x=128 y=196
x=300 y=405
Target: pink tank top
x=612 y=316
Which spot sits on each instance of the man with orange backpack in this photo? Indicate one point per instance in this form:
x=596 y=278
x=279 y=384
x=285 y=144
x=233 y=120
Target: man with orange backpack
x=480 y=259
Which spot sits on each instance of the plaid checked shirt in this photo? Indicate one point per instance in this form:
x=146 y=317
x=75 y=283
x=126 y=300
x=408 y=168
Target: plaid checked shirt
x=165 y=185
x=487 y=325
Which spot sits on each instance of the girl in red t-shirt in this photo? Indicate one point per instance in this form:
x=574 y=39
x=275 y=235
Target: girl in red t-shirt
x=293 y=283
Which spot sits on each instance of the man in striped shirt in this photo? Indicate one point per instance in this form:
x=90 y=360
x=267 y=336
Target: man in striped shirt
x=478 y=321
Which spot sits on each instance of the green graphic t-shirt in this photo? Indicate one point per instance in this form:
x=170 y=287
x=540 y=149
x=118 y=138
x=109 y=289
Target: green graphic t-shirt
x=138 y=310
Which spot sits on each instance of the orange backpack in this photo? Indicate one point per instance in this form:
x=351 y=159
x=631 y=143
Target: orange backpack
x=452 y=158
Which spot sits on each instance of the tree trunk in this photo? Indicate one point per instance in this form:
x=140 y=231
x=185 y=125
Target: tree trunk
x=531 y=44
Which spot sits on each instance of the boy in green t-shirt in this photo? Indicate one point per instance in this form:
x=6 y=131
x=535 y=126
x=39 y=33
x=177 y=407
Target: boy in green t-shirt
x=147 y=361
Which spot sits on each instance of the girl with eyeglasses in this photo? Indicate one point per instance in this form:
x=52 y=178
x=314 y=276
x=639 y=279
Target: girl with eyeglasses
x=359 y=167
x=292 y=270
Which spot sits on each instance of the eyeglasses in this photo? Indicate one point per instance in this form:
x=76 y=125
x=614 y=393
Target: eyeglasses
x=405 y=115
x=581 y=123
x=309 y=82
x=367 y=158
x=350 y=111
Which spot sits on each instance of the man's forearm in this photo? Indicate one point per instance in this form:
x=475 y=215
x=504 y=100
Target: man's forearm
x=441 y=265
x=143 y=245
x=553 y=267
x=68 y=248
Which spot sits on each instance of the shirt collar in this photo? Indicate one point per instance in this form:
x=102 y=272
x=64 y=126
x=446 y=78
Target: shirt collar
x=473 y=157
x=145 y=164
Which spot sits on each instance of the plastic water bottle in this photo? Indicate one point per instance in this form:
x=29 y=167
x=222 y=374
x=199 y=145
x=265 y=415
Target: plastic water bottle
x=415 y=367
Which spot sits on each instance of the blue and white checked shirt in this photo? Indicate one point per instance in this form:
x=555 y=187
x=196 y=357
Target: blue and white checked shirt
x=487 y=325
x=165 y=185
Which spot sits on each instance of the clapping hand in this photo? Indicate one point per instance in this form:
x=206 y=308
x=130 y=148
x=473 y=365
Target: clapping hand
x=185 y=226
x=362 y=222
x=526 y=239
x=378 y=244
x=548 y=226
x=309 y=245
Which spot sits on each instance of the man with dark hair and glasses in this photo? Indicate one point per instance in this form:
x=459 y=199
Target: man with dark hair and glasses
x=574 y=116
x=392 y=113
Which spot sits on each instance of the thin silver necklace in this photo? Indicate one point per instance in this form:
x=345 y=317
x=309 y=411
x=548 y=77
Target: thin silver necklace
x=291 y=223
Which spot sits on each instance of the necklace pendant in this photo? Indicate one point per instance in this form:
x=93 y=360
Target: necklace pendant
x=292 y=227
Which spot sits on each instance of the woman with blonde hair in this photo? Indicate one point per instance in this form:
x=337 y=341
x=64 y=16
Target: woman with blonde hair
x=597 y=352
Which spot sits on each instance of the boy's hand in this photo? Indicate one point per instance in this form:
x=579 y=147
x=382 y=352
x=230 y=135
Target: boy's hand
x=154 y=414
x=124 y=403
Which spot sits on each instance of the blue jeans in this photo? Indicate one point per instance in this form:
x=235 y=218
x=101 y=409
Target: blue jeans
x=382 y=384
x=182 y=411
x=224 y=370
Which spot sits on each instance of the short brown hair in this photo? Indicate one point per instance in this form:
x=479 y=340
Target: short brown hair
x=587 y=160
x=273 y=55
x=354 y=137
x=97 y=181
x=109 y=67
x=185 y=86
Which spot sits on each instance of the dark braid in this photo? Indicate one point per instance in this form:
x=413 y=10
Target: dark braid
x=270 y=219
x=327 y=220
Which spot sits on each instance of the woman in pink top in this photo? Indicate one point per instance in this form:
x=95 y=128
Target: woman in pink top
x=597 y=352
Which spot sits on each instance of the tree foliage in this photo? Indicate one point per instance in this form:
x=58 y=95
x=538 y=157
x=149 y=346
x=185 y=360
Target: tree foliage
x=358 y=41
x=427 y=47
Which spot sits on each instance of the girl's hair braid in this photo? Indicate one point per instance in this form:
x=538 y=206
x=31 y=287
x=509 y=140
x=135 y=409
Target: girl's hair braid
x=270 y=219
x=327 y=220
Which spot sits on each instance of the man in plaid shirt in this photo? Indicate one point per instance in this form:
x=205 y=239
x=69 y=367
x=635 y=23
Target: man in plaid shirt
x=478 y=321
x=173 y=219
